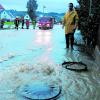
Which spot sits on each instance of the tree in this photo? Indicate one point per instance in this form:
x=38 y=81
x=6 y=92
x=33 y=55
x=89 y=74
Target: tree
x=89 y=14
x=31 y=8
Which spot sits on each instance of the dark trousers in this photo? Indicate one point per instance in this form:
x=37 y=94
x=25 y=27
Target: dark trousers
x=16 y=26
x=22 y=25
x=69 y=36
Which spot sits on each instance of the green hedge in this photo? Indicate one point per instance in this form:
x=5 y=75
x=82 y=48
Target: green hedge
x=9 y=23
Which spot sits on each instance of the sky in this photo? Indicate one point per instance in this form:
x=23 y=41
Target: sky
x=58 y=6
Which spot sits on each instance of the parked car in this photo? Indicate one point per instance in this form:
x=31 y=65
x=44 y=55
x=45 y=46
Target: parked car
x=46 y=23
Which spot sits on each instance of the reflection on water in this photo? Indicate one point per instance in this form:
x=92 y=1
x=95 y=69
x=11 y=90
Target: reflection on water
x=43 y=37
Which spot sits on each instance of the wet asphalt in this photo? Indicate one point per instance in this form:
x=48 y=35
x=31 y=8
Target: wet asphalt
x=30 y=47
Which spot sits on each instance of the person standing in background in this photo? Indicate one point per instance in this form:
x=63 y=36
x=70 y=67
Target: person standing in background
x=27 y=24
x=34 y=23
x=2 y=24
x=22 y=22
x=16 y=23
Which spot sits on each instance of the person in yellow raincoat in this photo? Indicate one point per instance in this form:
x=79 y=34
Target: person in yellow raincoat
x=70 y=22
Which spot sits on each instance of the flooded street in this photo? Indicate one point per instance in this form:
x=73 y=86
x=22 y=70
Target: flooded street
x=37 y=55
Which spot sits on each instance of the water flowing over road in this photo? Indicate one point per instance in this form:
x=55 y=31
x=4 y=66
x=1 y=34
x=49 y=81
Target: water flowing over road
x=31 y=55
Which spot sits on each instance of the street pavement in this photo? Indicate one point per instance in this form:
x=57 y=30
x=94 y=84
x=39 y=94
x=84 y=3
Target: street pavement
x=28 y=55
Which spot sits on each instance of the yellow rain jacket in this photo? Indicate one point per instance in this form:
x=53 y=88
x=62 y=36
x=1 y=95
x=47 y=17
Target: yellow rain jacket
x=70 y=19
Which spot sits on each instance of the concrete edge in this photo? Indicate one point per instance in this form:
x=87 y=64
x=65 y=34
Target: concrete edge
x=97 y=55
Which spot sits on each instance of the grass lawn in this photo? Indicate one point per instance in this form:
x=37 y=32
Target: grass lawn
x=9 y=23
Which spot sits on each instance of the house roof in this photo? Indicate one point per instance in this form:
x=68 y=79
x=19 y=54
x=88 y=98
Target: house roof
x=1 y=11
x=1 y=7
x=21 y=13
x=10 y=13
x=14 y=13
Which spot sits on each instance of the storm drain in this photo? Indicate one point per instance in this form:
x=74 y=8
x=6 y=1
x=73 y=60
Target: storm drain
x=40 y=91
x=75 y=66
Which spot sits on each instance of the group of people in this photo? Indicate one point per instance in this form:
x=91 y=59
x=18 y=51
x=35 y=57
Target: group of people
x=23 y=21
x=70 y=23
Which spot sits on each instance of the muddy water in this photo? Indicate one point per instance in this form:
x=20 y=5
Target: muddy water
x=38 y=57
x=75 y=86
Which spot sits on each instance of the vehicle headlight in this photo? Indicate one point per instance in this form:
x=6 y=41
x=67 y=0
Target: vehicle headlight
x=39 y=24
x=48 y=24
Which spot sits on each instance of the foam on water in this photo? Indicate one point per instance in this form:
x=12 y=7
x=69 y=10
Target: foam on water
x=75 y=85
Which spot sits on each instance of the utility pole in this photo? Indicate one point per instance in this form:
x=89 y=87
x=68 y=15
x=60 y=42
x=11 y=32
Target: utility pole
x=90 y=8
x=43 y=9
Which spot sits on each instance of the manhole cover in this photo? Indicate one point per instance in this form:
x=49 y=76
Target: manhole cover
x=39 y=91
x=75 y=66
